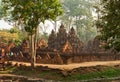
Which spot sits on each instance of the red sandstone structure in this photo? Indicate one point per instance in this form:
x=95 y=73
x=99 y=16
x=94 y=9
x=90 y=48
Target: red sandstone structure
x=62 y=38
x=63 y=48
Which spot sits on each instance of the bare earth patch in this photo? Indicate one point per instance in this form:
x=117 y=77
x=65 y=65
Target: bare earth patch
x=72 y=66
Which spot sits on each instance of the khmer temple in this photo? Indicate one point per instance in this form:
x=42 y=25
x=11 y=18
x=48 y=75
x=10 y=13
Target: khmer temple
x=64 y=41
x=63 y=48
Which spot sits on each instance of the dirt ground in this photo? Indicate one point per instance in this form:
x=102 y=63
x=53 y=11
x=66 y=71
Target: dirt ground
x=73 y=65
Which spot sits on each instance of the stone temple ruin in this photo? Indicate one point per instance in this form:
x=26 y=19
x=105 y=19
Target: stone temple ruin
x=65 y=42
x=94 y=46
x=70 y=49
x=64 y=48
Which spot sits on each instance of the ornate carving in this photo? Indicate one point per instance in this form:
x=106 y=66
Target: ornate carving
x=52 y=40
x=67 y=48
x=74 y=41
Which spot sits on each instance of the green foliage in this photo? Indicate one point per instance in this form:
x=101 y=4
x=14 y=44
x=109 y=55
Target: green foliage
x=1 y=10
x=78 y=13
x=14 y=35
x=19 y=34
x=13 y=30
x=17 y=42
x=32 y=12
x=109 y=24
x=6 y=36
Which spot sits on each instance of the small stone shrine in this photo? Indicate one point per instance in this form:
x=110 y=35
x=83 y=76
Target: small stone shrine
x=74 y=41
x=52 y=40
x=61 y=37
x=94 y=46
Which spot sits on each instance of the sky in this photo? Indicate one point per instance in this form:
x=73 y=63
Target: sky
x=4 y=25
x=49 y=26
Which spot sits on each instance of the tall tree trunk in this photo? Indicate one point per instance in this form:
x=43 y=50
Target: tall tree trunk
x=33 y=43
x=32 y=49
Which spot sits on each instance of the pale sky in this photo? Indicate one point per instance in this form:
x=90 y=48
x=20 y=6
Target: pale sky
x=4 y=25
x=49 y=26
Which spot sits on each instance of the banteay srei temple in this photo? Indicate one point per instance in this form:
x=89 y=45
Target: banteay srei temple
x=65 y=42
x=62 y=48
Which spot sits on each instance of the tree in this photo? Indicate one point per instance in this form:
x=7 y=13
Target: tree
x=109 y=24
x=13 y=30
x=2 y=12
x=78 y=13
x=31 y=13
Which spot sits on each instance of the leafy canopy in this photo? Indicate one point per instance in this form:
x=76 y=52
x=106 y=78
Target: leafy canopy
x=32 y=12
x=110 y=23
x=79 y=13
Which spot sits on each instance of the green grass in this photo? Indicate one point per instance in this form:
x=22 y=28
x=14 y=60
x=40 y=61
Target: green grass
x=50 y=75
x=109 y=72
x=8 y=70
x=29 y=73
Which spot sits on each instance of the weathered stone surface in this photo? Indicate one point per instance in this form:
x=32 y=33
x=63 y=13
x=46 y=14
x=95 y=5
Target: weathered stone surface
x=69 y=60
x=57 y=59
x=25 y=46
x=25 y=43
x=67 y=48
x=42 y=44
x=94 y=46
x=61 y=37
x=52 y=40
x=47 y=59
x=58 y=42
x=75 y=41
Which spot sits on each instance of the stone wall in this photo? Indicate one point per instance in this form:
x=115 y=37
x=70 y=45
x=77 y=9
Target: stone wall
x=56 y=58
x=90 y=57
